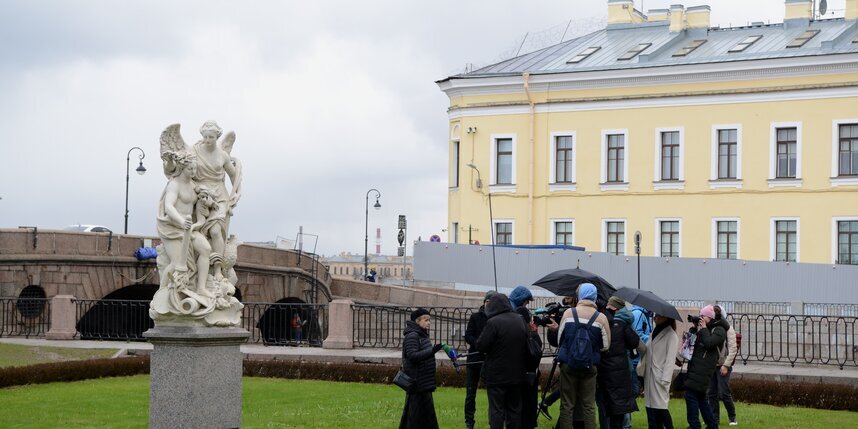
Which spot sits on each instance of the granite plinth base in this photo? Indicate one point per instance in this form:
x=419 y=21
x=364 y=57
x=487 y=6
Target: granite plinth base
x=195 y=377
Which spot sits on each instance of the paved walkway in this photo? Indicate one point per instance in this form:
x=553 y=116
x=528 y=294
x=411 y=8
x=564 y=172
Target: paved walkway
x=830 y=374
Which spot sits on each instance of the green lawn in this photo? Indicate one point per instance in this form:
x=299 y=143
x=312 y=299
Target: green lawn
x=20 y=355
x=278 y=403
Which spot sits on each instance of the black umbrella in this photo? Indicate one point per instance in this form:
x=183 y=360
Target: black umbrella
x=650 y=301
x=564 y=283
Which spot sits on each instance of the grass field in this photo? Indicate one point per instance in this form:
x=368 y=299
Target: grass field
x=278 y=403
x=20 y=355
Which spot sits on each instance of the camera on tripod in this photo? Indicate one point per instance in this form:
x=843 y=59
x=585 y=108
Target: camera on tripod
x=552 y=311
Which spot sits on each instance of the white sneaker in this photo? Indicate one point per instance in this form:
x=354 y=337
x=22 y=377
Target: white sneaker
x=734 y=423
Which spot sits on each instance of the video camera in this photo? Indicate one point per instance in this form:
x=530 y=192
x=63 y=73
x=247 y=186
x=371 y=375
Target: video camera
x=543 y=316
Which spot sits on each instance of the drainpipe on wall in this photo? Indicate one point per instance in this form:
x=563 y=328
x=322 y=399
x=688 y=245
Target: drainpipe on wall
x=530 y=184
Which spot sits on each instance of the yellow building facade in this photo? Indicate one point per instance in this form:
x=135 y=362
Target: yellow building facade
x=737 y=143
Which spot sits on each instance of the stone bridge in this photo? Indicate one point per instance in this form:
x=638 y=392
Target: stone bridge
x=83 y=272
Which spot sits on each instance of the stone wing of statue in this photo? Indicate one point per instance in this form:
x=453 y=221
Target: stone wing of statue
x=172 y=145
x=227 y=141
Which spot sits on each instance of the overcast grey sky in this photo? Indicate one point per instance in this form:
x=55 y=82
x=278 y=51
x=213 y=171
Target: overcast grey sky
x=328 y=99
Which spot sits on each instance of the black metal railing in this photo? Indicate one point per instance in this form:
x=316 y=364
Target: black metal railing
x=112 y=319
x=797 y=339
x=381 y=326
x=24 y=317
x=286 y=324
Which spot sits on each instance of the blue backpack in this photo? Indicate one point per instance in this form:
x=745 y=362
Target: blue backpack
x=577 y=351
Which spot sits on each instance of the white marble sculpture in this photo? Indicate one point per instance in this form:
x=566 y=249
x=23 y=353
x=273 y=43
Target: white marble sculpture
x=197 y=254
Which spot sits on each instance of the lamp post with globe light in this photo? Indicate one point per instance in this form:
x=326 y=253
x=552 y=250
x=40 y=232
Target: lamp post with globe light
x=141 y=170
x=376 y=206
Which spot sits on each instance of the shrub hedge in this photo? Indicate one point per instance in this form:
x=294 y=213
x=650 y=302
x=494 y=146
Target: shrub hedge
x=73 y=370
x=811 y=395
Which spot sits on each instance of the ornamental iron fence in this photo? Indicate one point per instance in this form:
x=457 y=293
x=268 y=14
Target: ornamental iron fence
x=24 y=316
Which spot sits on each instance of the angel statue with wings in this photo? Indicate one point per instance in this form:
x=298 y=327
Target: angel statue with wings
x=196 y=254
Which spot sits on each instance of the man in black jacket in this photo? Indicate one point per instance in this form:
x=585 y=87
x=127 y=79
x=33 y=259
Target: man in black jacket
x=476 y=323
x=504 y=342
x=711 y=335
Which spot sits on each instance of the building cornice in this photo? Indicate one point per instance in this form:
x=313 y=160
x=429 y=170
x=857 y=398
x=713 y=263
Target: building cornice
x=654 y=75
x=698 y=98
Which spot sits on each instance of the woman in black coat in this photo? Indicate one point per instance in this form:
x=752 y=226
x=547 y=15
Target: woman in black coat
x=418 y=362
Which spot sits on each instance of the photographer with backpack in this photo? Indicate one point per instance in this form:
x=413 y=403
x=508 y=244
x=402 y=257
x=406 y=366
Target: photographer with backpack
x=719 y=387
x=584 y=333
x=711 y=334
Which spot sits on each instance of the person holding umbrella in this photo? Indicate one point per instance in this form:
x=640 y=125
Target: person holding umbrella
x=656 y=367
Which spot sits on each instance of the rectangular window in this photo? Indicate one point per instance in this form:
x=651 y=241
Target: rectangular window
x=741 y=46
x=802 y=39
x=786 y=152
x=848 y=154
x=616 y=237
x=563 y=159
x=563 y=233
x=847 y=242
x=503 y=233
x=786 y=240
x=727 y=153
x=633 y=52
x=504 y=162
x=584 y=55
x=728 y=239
x=690 y=48
x=670 y=239
x=454 y=234
x=616 y=155
x=670 y=155
x=454 y=168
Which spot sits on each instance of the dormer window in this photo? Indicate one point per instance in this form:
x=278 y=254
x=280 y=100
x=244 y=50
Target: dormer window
x=584 y=55
x=634 y=51
x=802 y=39
x=744 y=44
x=689 y=49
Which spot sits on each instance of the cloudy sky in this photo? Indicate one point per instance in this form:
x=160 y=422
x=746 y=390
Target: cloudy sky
x=328 y=99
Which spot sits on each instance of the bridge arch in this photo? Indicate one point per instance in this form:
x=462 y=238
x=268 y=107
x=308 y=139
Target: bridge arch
x=123 y=313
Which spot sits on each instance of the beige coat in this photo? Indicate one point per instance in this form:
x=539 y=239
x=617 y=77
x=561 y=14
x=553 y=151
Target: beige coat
x=656 y=367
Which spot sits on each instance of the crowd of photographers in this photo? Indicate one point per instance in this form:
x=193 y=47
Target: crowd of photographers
x=606 y=357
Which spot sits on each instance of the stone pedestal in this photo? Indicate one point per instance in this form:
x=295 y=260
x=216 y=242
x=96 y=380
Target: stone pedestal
x=195 y=377
x=63 y=318
x=340 y=325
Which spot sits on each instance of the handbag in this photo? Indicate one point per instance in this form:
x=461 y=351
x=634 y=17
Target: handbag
x=678 y=384
x=403 y=380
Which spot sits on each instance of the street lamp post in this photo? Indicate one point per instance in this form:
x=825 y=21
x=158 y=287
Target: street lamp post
x=141 y=170
x=638 y=252
x=376 y=206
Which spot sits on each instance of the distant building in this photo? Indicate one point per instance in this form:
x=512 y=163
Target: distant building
x=389 y=269
x=733 y=143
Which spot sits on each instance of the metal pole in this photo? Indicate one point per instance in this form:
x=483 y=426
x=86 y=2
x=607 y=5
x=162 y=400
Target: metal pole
x=492 y=229
x=366 y=232
x=404 y=252
x=128 y=179
x=638 y=252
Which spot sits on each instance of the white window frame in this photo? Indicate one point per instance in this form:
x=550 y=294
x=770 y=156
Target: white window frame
x=455 y=170
x=657 y=241
x=494 y=229
x=714 y=181
x=836 y=180
x=658 y=182
x=553 y=237
x=624 y=185
x=834 y=242
x=773 y=155
x=773 y=239
x=552 y=162
x=715 y=221
x=625 y=234
x=493 y=186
